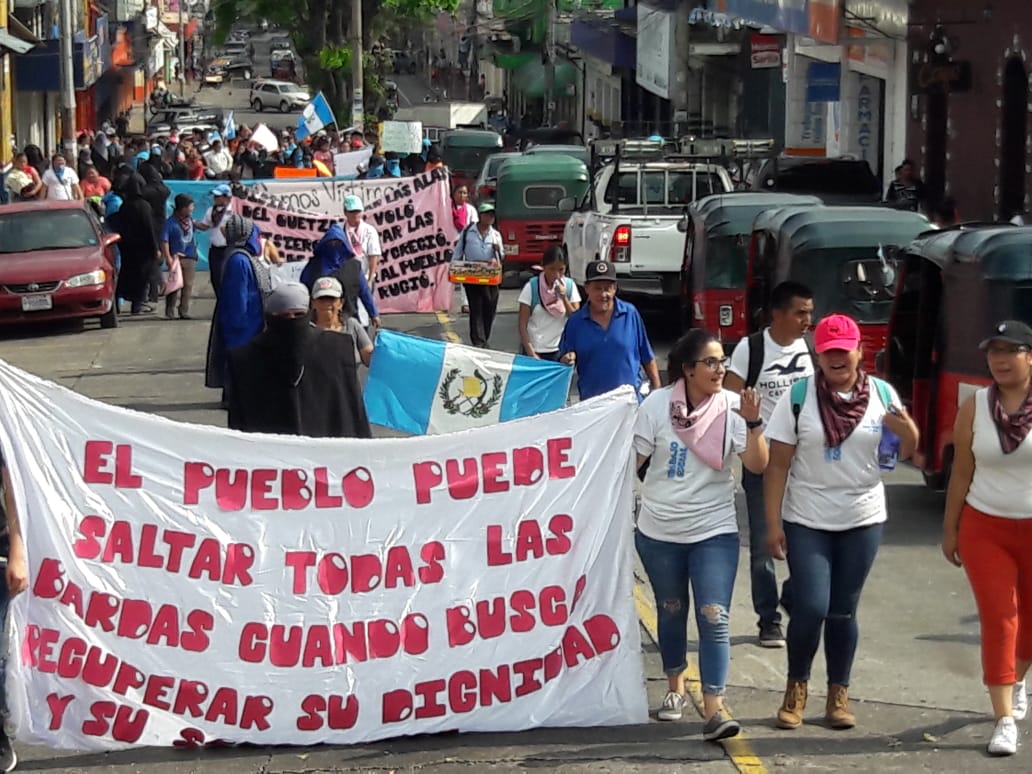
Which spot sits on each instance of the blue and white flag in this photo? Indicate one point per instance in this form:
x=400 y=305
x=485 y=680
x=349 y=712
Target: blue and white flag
x=229 y=127
x=314 y=117
x=426 y=386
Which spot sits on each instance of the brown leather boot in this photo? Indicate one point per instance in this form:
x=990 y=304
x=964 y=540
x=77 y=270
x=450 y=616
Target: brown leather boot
x=791 y=713
x=837 y=713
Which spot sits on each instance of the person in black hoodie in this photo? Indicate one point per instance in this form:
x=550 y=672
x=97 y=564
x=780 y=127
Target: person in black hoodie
x=295 y=379
x=138 y=246
x=156 y=194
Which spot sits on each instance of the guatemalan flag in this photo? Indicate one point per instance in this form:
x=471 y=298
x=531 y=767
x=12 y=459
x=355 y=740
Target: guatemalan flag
x=426 y=386
x=314 y=117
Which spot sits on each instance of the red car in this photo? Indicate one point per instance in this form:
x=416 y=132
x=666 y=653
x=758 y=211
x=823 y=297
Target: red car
x=56 y=263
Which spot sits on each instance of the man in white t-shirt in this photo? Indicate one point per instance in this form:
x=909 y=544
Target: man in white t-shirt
x=60 y=181
x=364 y=239
x=770 y=361
x=214 y=218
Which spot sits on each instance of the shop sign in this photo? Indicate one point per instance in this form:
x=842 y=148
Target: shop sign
x=765 y=51
x=655 y=42
x=867 y=120
x=823 y=82
x=817 y=19
x=939 y=77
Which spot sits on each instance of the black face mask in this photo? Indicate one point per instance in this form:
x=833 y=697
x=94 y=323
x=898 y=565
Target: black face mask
x=288 y=339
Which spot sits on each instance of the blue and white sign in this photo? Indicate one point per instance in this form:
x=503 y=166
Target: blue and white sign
x=823 y=82
x=785 y=15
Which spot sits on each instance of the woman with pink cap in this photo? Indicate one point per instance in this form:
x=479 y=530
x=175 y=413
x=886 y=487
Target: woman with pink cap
x=830 y=437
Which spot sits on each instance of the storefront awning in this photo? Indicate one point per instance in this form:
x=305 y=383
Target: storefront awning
x=168 y=37
x=11 y=43
x=530 y=79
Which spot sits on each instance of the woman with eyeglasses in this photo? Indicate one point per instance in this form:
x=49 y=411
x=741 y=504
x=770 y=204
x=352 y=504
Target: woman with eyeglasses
x=825 y=506
x=988 y=525
x=687 y=532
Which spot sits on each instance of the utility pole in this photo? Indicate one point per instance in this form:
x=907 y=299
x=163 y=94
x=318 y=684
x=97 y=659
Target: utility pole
x=67 y=79
x=182 y=50
x=357 y=106
x=550 y=65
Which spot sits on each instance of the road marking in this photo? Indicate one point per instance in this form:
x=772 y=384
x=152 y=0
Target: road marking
x=446 y=326
x=737 y=748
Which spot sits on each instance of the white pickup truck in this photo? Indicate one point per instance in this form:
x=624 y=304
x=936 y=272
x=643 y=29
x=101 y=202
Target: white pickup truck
x=631 y=218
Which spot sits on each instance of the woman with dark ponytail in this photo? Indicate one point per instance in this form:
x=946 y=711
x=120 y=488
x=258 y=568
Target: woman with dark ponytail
x=687 y=533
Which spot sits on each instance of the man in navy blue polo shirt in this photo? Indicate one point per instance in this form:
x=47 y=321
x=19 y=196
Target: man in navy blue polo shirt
x=606 y=339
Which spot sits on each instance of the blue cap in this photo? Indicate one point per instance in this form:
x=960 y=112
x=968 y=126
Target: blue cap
x=222 y=190
x=426 y=142
x=143 y=155
x=155 y=148
x=353 y=204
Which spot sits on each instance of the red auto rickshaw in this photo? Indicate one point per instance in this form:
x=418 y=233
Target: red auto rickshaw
x=845 y=254
x=713 y=272
x=953 y=286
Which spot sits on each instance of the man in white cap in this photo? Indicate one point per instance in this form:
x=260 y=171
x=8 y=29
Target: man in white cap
x=213 y=221
x=294 y=379
x=364 y=239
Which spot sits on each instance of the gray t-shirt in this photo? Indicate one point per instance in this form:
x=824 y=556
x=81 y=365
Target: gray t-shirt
x=358 y=334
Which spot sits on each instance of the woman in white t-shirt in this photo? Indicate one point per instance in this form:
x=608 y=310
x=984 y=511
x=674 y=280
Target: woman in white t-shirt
x=545 y=303
x=988 y=525
x=826 y=506
x=687 y=533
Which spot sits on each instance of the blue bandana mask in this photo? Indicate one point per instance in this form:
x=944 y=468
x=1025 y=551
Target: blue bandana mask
x=59 y=172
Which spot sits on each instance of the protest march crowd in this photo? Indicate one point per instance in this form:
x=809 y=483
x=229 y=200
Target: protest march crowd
x=813 y=431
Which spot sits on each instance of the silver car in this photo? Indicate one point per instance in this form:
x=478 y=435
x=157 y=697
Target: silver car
x=283 y=95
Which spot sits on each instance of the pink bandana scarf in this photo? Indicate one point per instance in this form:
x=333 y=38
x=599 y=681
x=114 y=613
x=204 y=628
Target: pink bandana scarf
x=701 y=429
x=551 y=300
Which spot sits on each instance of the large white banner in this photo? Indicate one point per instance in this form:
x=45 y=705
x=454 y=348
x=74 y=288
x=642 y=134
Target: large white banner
x=325 y=196
x=190 y=584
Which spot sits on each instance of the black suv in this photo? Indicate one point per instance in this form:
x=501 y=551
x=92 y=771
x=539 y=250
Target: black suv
x=835 y=180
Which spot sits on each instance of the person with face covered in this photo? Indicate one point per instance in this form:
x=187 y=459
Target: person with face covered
x=335 y=257
x=138 y=247
x=60 y=181
x=295 y=379
x=239 y=309
x=825 y=505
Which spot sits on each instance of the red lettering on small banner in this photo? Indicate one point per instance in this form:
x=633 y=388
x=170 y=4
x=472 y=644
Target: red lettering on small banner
x=192 y=586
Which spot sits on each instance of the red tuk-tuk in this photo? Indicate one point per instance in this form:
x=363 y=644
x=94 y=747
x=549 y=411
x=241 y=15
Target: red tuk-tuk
x=845 y=254
x=953 y=286
x=526 y=204
x=713 y=272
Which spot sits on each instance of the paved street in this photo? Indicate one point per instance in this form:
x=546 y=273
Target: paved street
x=919 y=701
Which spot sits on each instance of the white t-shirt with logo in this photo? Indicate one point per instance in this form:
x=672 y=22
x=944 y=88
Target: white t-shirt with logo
x=831 y=489
x=60 y=189
x=544 y=328
x=782 y=367
x=684 y=500
x=368 y=242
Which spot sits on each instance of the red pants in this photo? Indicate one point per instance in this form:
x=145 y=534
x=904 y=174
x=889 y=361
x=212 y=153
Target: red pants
x=997 y=556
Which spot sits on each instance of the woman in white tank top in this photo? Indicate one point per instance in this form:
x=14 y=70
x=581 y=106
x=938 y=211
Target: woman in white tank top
x=988 y=525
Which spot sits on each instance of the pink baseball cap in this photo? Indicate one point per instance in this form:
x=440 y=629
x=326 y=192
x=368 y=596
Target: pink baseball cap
x=836 y=331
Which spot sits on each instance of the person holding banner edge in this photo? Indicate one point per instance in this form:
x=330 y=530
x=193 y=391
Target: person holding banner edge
x=687 y=530
x=17 y=580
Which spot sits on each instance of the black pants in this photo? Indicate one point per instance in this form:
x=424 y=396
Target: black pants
x=216 y=263
x=483 y=303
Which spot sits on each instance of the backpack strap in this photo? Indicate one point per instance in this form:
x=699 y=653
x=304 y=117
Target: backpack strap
x=535 y=293
x=797 y=395
x=884 y=393
x=755 y=358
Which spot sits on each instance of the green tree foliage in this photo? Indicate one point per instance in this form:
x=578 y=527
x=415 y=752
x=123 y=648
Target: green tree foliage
x=319 y=30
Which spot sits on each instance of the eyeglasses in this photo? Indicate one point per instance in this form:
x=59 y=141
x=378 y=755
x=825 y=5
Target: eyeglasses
x=713 y=363
x=1013 y=349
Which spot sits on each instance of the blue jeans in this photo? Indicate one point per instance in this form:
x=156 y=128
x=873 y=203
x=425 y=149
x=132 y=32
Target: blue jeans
x=708 y=567
x=764 y=581
x=828 y=573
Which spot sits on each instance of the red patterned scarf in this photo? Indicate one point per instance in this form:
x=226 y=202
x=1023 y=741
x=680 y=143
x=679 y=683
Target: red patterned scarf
x=841 y=416
x=1012 y=428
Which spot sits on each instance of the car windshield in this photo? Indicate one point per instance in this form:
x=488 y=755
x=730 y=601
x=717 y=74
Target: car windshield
x=23 y=232
x=829 y=178
x=467 y=160
x=671 y=188
x=494 y=164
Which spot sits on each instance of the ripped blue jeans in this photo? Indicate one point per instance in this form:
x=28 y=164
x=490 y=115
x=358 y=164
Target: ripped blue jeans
x=708 y=569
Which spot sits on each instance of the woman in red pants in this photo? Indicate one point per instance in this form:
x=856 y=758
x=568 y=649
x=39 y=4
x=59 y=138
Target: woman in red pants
x=988 y=526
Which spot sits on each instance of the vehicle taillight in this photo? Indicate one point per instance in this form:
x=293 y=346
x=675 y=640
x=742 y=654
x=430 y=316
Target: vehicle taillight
x=486 y=192
x=620 y=251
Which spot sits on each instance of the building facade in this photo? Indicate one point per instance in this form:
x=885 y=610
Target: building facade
x=970 y=131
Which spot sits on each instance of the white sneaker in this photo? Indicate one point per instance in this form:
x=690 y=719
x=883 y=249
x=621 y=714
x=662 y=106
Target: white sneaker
x=1019 y=701
x=1005 y=738
x=673 y=707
